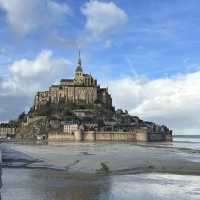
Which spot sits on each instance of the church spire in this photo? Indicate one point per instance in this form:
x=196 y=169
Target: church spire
x=79 y=57
x=79 y=66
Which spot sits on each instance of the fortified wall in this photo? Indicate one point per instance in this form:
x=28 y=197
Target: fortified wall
x=139 y=135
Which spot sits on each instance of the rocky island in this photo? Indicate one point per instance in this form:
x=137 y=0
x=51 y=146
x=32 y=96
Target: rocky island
x=79 y=109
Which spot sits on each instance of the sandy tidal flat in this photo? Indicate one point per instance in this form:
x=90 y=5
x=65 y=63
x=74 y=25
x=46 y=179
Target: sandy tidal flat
x=100 y=158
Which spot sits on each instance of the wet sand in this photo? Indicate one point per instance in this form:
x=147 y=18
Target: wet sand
x=99 y=158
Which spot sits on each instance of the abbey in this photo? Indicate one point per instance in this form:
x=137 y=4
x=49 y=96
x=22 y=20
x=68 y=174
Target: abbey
x=79 y=109
x=82 y=90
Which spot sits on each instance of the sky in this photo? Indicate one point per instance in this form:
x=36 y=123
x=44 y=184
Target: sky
x=146 y=52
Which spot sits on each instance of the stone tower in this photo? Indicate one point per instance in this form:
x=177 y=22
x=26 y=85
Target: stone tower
x=79 y=70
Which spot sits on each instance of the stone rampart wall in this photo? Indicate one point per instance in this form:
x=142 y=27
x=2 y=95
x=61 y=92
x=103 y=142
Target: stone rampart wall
x=139 y=135
x=60 y=137
x=89 y=136
x=156 y=137
x=92 y=136
x=168 y=138
x=115 y=136
x=7 y=131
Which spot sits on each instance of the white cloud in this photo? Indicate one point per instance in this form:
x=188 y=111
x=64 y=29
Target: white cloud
x=26 y=78
x=44 y=63
x=173 y=101
x=25 y=16
x=103 y=17
x=58 y=9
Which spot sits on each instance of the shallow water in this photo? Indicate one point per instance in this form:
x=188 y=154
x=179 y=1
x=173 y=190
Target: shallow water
x=27 y=184
x=189 y=147
x=192 y=143
x=38 y=181
x=185 y=142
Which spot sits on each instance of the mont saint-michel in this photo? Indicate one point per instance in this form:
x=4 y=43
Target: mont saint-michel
x=79 y=109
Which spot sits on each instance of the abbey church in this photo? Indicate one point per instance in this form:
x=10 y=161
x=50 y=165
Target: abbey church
x=82 y=90
x=79 y=109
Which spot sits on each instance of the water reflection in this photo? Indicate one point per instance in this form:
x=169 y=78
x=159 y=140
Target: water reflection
x=29 y=184
x=26 y=184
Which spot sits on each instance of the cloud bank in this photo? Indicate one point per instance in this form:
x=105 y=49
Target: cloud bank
x=173 y=101
x=25 y=16
x=25 y=79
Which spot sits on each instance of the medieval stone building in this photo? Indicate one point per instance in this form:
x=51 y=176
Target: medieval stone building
x=79 y=109
x=82 y=90
x=7 y=130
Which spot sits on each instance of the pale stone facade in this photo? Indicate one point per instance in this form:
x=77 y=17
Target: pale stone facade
x=7 y=130
x=70 y=128
x=138 y=135
x=82 y=90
